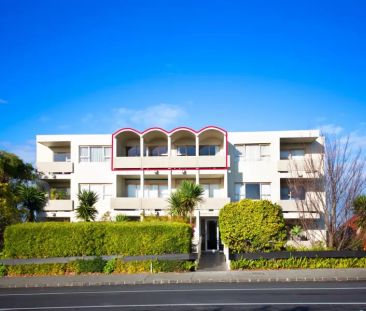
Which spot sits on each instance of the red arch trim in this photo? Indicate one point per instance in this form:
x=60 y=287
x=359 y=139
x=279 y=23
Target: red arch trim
x=177 y=129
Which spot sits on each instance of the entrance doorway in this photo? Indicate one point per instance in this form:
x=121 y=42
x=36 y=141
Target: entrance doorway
x=210 y=235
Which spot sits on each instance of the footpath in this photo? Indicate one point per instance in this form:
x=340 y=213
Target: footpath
x=300 y=275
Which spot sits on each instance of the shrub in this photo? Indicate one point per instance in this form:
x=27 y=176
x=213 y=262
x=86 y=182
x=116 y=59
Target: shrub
x=110 y=266
x=90 y=266
x=299 y=263
x=2 y=270
x=249 y=226
x=120 y=218
x=40 y=269
x=42 y=240
x=156 y=265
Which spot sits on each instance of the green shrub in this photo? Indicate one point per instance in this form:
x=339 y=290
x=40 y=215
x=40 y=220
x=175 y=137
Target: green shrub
x=90 y=266
x=110 y=266
x=40 y=269
x=121 y=217
x=249 y=226
x=42 y=240
x=2 y=270
x=156 y=265
x=167 y=218
x=299 y=263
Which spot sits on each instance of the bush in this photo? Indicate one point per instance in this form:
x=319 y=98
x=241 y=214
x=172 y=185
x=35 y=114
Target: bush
x=90 y=266
x=120 y=218
x=40 y=269
x=2 y=270
x=42 y=240
x=250 y=226
x=299 y=263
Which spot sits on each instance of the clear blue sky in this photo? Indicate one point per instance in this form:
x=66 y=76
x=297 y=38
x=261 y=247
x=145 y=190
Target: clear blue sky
x=96 y=66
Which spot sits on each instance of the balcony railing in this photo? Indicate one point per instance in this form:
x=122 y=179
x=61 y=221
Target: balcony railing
x=213 y=203
x=218 y=161
x=55 y=167
x=59 y=206
x=139 y=203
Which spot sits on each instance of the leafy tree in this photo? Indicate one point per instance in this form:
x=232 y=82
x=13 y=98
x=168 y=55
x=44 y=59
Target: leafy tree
x=13 y=169
x=359 y=206
x=185 y=199
x=250 y=226
x=32 y=200
x=86 y=209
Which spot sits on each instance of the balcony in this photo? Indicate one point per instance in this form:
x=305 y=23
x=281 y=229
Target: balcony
x=59 y=206
x=289 y=205
x=213 y=203
x=162 y=162
x=55 y=167
x=139 y=203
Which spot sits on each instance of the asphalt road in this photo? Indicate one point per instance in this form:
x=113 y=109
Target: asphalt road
x=214 y=296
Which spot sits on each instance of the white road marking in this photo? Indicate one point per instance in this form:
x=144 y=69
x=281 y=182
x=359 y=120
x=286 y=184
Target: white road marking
x=184 y=290
x=194 y=305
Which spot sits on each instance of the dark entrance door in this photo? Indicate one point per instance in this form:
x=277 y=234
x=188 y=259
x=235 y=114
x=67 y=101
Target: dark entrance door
x=211 y=235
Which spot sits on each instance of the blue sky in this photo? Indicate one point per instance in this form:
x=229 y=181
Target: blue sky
x=96 y=66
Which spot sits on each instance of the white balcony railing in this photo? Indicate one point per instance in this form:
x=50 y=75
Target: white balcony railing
x=55 y=167
x=59 y=206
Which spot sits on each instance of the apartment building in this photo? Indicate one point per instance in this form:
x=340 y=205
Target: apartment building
x=134 y=172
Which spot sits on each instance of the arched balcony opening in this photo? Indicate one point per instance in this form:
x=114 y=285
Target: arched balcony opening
x=127 y=144
x=212 y=142
x=183 y=143
x=155 y=144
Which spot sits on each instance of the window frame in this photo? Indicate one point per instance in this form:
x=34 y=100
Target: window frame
x=88 y=157
x=240 y=196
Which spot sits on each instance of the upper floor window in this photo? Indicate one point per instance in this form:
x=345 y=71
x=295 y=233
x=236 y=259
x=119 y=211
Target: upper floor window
x=188 y=150
x=104 y=191
x=95 y=153
x=208 y=150
x=252 y=152
x=292 y=193
x=254 y=191
x=292 y=154
x=133 y=151
x=156 y=151
x=61 y=157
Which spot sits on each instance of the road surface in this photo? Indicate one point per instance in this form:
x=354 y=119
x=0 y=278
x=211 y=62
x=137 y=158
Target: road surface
x=212 y=296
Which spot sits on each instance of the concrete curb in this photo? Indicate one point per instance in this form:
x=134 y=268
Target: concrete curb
x=308 y=275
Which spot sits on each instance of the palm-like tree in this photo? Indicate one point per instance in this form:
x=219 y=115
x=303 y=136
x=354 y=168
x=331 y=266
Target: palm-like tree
x=86 y=209
x=32 y=199
x=185 y=199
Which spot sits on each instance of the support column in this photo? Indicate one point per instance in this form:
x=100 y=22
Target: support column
x=142 y=182
x=197 y=146
x=197 y=229
x=197 y=177
x=169 y=182
x=169 y=146
x=141 y=146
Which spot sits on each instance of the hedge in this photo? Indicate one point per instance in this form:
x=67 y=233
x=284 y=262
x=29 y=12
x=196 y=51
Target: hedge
x=298 y=263
x=43 y=240
x=251 y=226
x=97 y=266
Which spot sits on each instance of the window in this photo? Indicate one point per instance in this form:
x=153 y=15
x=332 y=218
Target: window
x=211 y=190
x=104 y=191
x=186 y=150
x=133 y=151
x=156 y=191
x=94 y=153
x=133 y=191
x=208 y=150
x=157 y=151
x=254 y=191
x=292 y=154
x=252 y=152
x=61 y=156
x=291 y=193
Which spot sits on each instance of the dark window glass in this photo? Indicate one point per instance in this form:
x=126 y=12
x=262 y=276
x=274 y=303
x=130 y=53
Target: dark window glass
x=61 y=156
x=157 y=151
x=186 y=150
x=133 y=151
x=252 y=191
x=207 y=150
x=285 y=193
x=191 y=150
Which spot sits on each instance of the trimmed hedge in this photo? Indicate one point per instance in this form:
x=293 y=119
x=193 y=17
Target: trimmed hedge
x=98 y=266
x=298 y=263
x=251 y=226
x=43 y=240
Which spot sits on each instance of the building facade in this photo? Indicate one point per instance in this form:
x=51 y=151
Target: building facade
x=134 y=172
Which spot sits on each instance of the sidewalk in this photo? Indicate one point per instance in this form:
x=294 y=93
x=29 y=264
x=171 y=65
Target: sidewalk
x=188 y=277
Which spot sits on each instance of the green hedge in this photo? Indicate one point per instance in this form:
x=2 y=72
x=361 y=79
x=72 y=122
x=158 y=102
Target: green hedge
x=97 y=265
x=298 y=263
x=42 y=240
x=250 y=226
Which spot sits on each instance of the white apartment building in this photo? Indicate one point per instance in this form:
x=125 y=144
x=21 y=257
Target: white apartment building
x=134 y=172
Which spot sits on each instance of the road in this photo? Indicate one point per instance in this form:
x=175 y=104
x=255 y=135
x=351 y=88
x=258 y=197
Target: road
x=211 y=296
